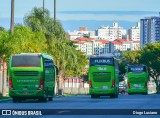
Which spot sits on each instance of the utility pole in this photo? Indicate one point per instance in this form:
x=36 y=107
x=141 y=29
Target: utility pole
x=43 y=7
x=54 y=12
x=12 y=17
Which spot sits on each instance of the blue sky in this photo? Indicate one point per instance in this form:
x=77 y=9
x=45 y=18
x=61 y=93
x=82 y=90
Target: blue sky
x=79 y=10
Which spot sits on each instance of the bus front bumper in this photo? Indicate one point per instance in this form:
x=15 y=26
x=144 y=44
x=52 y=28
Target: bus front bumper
x=102 y=92
x=137 y=91
x=26 y=94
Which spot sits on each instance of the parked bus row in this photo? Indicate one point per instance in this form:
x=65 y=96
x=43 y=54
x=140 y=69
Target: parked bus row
x=33 y=76
x=104 y=78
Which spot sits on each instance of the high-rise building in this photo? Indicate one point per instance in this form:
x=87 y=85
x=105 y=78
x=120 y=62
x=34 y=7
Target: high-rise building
x=149 y=30
x=134 y=32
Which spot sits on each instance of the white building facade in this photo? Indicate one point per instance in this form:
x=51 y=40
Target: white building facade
x=111 y=33
x=134 y=32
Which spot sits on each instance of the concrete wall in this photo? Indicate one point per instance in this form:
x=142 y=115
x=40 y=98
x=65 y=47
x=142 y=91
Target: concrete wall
x=76 y=90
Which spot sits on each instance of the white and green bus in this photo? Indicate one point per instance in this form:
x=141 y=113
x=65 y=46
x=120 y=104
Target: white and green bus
x=137 y=79
x=103 y=77
x=31 y=76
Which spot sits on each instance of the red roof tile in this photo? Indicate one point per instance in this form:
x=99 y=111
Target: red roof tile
x=104 y=41
x=116 y=42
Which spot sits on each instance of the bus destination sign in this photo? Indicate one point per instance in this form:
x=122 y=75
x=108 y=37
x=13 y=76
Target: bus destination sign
x=136 y=68
x=101 y=61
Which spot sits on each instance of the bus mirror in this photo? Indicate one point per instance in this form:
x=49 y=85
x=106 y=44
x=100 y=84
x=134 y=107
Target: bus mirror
x=56 y=70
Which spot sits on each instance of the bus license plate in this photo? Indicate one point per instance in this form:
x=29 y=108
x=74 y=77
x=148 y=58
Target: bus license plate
x=105 y=87
x=137 y=85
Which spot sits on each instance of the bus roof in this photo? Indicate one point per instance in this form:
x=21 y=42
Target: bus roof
x=44 y=55
x=136 y=65
x=101 y=57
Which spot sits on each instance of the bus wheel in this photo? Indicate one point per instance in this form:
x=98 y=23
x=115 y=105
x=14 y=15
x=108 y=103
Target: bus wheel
x=145 y=93
x=113 y=96
x=50 y=98
x=14 y=100
x=19 y=100
x=43 y=99
x=130 y=93
x=95 y=96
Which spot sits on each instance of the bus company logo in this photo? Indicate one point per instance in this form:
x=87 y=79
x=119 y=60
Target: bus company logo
x=100 y=68
x=136 y=69
x=102 y=61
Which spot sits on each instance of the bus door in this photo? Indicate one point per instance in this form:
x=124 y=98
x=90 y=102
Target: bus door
x=49 y=76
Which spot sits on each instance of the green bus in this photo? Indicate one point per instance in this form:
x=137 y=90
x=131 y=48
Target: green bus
x=103 y=77
x=137 y=79
x=31 y=76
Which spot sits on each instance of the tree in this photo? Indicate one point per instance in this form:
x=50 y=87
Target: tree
x=150 y=56
x=67 y=58
x=132 y=57
x=3 y=36
x=129 y=58
x=24 y=40
x=122 y=68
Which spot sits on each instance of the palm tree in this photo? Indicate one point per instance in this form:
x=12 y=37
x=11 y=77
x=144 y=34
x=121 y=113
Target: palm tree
x=12 y=16
x=65 y=55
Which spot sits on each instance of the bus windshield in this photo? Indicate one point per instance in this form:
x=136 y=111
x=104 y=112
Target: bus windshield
x=26 y=60
x=101 y=76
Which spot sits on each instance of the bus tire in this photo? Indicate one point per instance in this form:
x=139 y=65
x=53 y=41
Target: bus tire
x=20 y=100
x=14 y=100
x=50 y=98
x=95 y=96
x=130 y=93
x=113 y=96
x=145 y=93
x=43 y=99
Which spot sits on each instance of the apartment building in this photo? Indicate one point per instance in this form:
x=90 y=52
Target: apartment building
x=124 y=45
x=149 y=30
x=111 y=33
x=134 y=32
x=92 y=46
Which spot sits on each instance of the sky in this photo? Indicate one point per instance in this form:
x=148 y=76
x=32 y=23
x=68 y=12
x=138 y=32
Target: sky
x=85 y=11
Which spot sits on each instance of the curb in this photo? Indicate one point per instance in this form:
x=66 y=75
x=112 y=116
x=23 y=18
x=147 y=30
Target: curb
x=8 y=99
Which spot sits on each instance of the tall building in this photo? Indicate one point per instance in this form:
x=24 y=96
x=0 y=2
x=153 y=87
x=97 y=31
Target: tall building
x=134 y=32
x=110 y=33
x=149 y=30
